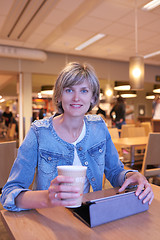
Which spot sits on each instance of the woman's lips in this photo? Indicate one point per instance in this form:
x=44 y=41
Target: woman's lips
x=76 y=105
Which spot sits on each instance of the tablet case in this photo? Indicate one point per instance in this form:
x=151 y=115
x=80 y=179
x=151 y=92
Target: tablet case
x=103 y=210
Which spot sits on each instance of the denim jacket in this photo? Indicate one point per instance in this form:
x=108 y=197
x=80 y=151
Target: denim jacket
x=43 y=150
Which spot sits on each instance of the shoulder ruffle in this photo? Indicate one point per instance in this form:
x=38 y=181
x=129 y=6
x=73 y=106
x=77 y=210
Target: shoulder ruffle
x=93 y=118
x=43 y=122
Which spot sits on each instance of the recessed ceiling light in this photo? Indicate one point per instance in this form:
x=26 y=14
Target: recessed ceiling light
x=151 y=5
x=90 y=41
x=152 y=54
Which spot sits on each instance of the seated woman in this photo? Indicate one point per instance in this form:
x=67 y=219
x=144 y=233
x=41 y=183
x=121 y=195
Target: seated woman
x=70 y=138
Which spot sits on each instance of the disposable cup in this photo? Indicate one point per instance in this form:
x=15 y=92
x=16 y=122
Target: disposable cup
x=79 y=174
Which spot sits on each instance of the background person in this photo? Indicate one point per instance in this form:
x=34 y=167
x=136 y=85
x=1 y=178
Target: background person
x=7 y=116
x=156 y=108
x=119 y=111
x=71 y=138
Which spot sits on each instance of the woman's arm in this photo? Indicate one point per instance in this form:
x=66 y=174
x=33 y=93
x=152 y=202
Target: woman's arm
x=58 y=194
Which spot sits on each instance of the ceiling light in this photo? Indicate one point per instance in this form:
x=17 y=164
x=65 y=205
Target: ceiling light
x=90 y=41
x=129 y=94
x=156 y=88
x=2 y=100
x=108 y=92
x=39 y=95
x=0 y=96
x=122 y=86
x=151 y=5
x=136 y=65
x=152 y=54
x=150 y=96
x=47 y=90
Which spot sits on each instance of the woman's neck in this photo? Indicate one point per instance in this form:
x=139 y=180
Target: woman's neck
x=69 y=129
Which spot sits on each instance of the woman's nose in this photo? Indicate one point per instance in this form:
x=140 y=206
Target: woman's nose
x=76 y=96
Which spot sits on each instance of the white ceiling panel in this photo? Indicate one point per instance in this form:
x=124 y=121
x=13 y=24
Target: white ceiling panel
x=61 y=25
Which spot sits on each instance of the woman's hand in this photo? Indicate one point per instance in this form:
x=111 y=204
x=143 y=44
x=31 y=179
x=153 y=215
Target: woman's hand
x=61 y=193
x=136 y=178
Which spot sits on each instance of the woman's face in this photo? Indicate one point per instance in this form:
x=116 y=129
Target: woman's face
x=76 y=100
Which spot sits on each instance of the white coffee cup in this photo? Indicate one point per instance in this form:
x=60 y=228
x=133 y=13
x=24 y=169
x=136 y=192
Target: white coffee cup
x=79 y=174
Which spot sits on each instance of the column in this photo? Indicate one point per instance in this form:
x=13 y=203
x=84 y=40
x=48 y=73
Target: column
x=25 y=104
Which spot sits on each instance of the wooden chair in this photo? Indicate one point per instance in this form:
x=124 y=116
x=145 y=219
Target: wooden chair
x=139 y=151
x=147 y=126
x=8 y=153
x=124 y=130
x=156 y=125
x=113 y=132
x=151 y=162
x=11 y=132
x=136 y=132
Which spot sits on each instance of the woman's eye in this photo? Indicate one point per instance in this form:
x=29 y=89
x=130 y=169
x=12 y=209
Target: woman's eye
x=68 y=90
x=84 y=91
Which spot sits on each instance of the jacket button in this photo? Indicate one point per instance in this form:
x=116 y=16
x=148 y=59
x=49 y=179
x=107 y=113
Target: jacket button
x=93 y=179
x=86 y=163
x=100 y=150
x=49 y=158
x=80 y=148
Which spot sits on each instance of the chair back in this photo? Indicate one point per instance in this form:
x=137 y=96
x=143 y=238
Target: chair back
x=132 y=131
x=113 y=132
x=124 y=130
x=11 y=131
x=152 y=156
x=136 y=132
x=8 y=152
x=156 y=125
x=147 y=126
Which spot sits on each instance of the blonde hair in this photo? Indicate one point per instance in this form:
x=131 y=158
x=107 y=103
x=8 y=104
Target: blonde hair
x=73 y=74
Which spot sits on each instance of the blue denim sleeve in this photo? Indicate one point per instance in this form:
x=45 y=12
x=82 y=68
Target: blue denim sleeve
x=22 y=172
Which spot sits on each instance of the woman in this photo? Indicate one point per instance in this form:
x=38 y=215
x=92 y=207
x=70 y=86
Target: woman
x=71 y=138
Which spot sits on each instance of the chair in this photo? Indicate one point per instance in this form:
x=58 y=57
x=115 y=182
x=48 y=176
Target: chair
x=147 y=126
x=156 y=125
x=11 y=132
x=113 y=132
x=136 y=132
x=151 y=162
x=124 y=130
x=139 y=151
x=8 y=153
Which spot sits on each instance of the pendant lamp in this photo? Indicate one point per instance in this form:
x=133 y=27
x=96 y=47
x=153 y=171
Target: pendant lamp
x=156 y=88
x=122 y=86
x=127 y=94
x=47 y=90
x=136 y=65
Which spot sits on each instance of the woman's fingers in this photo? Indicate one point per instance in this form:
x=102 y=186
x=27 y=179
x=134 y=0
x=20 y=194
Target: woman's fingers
x=62 y=192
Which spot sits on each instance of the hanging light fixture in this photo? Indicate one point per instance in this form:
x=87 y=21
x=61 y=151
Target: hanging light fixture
x=47 y=90
x=127 y=94
x=156 y=88
x=150 y=95
x=136 y=65
x=122 y=86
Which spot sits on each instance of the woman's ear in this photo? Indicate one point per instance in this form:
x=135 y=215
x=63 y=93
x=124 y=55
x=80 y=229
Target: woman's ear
x=92 y=100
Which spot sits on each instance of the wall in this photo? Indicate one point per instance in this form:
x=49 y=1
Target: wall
x=108 y=71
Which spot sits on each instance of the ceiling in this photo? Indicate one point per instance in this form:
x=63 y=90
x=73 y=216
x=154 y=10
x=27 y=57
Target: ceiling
x=61 y=25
